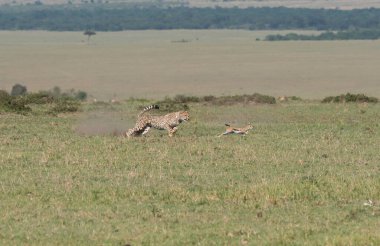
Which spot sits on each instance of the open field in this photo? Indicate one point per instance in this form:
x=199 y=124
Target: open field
x=341 y=4
x=303 y=176
x=159 y=63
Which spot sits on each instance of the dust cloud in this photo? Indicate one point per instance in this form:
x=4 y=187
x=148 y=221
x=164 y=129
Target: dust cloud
x=103 y=123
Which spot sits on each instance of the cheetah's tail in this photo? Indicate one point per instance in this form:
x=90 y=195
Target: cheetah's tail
x=147 y=108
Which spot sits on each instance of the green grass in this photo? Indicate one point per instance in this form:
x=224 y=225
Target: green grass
x=300 y=177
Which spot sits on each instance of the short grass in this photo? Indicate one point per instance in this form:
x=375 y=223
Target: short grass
x=154 y=64
x=303 y=176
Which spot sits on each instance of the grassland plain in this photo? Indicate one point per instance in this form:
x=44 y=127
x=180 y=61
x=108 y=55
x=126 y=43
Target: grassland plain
x=193 y=62
x=303 y=176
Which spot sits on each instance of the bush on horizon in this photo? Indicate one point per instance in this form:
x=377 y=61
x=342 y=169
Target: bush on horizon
x=348 y=97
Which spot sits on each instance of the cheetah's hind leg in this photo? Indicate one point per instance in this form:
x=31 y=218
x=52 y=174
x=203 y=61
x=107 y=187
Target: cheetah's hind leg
x=224 y=133
x=137 y=132
x=146 y=130
x=129 y=133
x=172 y=131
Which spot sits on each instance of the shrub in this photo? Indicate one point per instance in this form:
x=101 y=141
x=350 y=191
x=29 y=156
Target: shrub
x=179 y=101
x=38 y=98
x=208 y=98
x=81 y=95
x=254 y=98
x=328 y=99
x=18 y=90
x=5 y=98
x=64 y=106
x=19 y=104
x=12 y=103
x=57 y=93
x=185 y=99
x=61 y=102
x=348 y=97
x=259 y=98
x=295 y=98
x=171 y=105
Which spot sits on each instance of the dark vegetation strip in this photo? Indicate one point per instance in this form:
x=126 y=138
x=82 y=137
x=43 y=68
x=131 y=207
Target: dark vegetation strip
x=180 y=102
x=109 y=17
x=367 y=34
x=348 y=97
x=19 y=100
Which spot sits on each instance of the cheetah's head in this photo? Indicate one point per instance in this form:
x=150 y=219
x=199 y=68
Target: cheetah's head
x=184 y=116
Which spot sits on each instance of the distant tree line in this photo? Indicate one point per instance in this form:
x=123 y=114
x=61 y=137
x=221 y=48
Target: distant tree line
x=340 y=35
x=109 y=17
